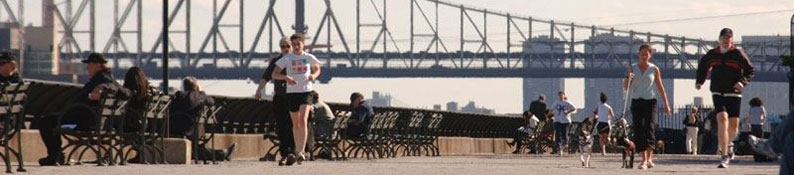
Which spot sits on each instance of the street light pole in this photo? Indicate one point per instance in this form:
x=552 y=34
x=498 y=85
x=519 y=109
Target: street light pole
x=165 y=46
x=300 y=15
x=791 y=68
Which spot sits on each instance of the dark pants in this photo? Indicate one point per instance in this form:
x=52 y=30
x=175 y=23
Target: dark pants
x=561 y=134
x=181 y=125
x=83 y=117
x=643 y=114
x=709 y=143
x=757 y=130
x=283 y=125
x=517 y=140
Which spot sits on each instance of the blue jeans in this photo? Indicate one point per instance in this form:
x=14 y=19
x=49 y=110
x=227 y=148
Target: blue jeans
x=561 y=134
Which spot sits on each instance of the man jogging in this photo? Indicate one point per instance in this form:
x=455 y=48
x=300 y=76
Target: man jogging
x=730 y=71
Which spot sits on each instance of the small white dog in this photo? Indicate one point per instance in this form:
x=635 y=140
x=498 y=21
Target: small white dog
x=586 y=147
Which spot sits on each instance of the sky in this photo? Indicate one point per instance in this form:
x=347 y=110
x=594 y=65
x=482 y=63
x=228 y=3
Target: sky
x=702 y=20
x=605 y=13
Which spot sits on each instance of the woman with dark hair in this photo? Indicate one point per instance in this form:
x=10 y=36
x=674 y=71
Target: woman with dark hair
x=692 y=122
x=604 y=114
x=562 y=121
x=135 y=80
x=302 y=70
x=644 y=89
x=757 y=117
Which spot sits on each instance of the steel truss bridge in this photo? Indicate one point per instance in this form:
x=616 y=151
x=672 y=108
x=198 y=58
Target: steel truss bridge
x=527 y=46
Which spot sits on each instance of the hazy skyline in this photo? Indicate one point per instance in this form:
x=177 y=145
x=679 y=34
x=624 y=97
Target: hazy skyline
x=703 y=19
x=697 y=19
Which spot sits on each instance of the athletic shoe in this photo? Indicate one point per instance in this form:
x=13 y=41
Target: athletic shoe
x=730 y=151
x=724 y=162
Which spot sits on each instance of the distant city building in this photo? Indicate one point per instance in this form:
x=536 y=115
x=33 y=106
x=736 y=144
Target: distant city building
x=534 y=87
x=437 y=107
x=472 y=108
x=380 y=100
x=543 y=45
x=40 y=48
x=608 y=43
x=765 y=46
x=774 y=96
x=697 y=101
x=452 y=106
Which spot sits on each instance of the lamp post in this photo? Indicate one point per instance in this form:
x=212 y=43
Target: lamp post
x=300 y=22
x=791 y=67
x=165 y=46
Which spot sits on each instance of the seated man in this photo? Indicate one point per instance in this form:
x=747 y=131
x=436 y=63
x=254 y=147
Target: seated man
x=780 y=143
x=361 y=116
x=323 y=117
x=79 y=116
x=8 y=68
x=185 y=110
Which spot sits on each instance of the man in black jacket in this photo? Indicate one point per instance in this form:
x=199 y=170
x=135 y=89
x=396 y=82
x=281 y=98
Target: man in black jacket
x=185 y=110
x=731 y=71
x=362 y=115
x=81 y=117
x=538 y=108
x=186 y=107
x=280 y=107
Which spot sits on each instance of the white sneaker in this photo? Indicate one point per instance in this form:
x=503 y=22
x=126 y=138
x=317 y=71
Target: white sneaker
x=724 y=162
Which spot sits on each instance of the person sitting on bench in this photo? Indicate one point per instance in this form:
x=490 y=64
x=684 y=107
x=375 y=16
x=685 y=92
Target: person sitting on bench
x=79 y=117
x=185 y=110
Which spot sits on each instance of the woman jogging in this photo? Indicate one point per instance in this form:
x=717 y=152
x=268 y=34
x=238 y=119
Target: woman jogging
x=644 y=88
x=302 y=69
x=604 y=114
x=562 y=121
x=730 y=71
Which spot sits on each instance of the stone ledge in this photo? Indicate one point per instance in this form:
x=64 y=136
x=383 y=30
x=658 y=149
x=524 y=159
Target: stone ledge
x=252 y=146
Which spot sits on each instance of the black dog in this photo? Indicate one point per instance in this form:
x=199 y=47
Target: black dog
x=628 y=152
x=626 y=144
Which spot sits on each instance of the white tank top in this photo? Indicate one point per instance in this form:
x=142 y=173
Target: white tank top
x=603 y=113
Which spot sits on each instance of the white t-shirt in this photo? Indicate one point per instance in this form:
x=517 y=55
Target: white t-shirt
x=299 y=67
x=559 y=108
x=603 y=113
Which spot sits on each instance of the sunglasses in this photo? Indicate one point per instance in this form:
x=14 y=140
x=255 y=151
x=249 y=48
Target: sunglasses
x=285 y=46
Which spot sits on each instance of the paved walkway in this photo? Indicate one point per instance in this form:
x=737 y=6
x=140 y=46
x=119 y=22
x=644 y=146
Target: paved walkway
x=457 y=165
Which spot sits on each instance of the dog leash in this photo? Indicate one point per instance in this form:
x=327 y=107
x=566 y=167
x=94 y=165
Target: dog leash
x=626 y=96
